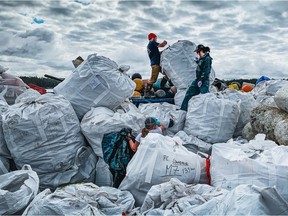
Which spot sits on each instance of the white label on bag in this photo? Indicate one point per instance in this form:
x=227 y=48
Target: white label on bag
x=94 y=83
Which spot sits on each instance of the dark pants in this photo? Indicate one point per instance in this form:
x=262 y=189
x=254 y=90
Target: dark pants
x=194 y=90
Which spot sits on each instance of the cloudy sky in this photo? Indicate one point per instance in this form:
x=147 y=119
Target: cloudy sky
x=247 y=38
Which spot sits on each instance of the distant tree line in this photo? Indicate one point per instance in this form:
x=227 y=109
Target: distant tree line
x=51 y=83
x=40 y=81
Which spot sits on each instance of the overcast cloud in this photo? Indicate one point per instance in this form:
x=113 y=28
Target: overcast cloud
x=247 y=38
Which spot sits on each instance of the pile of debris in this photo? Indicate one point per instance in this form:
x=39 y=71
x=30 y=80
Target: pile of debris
x=226 y=155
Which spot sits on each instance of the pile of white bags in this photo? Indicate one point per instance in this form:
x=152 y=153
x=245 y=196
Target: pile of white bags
x=17 y=190
x=260 y=162
x=97 y=82
x=176 y=197
x=157 y=160
x=81 y=199
x=45 y=133
x=211 y=117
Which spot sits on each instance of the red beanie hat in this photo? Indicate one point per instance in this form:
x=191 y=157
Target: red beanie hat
x=151 y=35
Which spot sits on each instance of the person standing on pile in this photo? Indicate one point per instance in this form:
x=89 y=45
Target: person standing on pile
x=152 y=125
x=201 y=83
x=154 y=56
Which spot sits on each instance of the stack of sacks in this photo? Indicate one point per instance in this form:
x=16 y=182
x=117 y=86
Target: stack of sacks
x=175 y=197
x=178 y=63
x=260 y=162
x=211 y=117
x=81 y=199
x=247 y=103
x=164 y=113
x=44 y=132
x=100 y=121
x=97 y=82
x=17 y=190
x=158 y=159
x=265 y=91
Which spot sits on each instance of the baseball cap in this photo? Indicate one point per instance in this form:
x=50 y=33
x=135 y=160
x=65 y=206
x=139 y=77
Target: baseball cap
x=150 y=121
x=151 y=35
x=199 y=48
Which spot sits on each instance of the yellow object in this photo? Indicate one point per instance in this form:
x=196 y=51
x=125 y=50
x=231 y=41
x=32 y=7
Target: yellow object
x=139 y=84
x=136 y=94
x=233 y=86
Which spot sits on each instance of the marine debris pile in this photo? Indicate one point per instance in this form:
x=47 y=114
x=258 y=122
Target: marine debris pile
x=68 y=152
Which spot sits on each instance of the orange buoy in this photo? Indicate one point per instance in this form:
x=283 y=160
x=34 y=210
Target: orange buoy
x=246 y=88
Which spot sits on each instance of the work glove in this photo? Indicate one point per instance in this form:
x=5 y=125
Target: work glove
x=199 y=84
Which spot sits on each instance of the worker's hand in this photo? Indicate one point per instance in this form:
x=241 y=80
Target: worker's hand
x=165 y=42
x=128 y=137
x=199 y=84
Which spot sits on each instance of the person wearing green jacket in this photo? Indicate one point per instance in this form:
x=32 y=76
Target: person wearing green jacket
x=201 y=83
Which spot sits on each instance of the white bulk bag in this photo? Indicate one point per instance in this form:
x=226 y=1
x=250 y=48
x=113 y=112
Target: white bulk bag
x=17 y=189
x=243 y=200
x=194 y=144
x=45 y=133
x=174 y=196
x=101 y=120
x=260 y=162
x=281 y=98
x=165 y=112
x=178 y=63
x=247 y=103
x=81 y=199
x=158 y=159
x=97 y=82
x=211 y=117
x=5 y=155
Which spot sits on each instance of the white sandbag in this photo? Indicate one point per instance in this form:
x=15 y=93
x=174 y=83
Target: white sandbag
x=45 y=133
x=5 y=155
x=81 y=199
x=268 y=87
x=173 y=197
x=194 y=144
x=264 y=119
x=11 y=92
x=266 y=100
x=260 y=162
x=281 y=98
x=97 y=82
x=17 y=189
x=103 y=175
x=28 y=96
x=158 y=159
x=247 y=103
x=179 y=96
x=9 y=79
x=243 y=200
x=211 y=117
x=178 y=63
x=100 y=121
x=165 y=112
